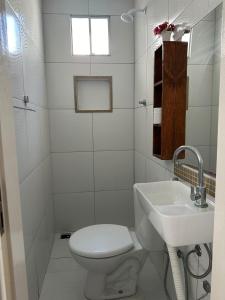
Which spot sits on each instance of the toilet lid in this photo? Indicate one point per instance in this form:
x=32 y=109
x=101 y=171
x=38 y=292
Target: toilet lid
x=101 y=241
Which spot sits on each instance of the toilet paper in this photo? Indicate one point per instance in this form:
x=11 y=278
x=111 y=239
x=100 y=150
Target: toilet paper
x=157 y=115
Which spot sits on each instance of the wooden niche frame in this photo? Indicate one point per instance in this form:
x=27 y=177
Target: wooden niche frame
x=92 y=78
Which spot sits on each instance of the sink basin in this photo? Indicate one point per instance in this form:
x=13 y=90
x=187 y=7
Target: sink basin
x=169 y=208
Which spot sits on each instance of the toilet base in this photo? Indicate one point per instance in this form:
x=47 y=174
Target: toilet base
x=118 y=284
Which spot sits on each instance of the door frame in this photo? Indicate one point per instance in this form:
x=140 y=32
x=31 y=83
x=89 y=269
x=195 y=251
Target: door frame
x=218 y=273
x=12 y=256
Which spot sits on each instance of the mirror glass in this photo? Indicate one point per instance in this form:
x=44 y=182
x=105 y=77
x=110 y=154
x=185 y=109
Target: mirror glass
x=203 y=88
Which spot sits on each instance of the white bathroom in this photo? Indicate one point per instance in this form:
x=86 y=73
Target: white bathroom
x=112 y=149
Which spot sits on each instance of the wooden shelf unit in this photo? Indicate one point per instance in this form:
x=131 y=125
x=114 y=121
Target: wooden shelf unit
x=170 y=89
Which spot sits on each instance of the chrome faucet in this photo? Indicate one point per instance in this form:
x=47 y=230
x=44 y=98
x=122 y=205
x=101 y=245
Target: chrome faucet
x=198 y=193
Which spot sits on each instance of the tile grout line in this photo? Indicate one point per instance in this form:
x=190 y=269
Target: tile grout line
x=94 y=191
x=93 y=172
x=90 y=151
x=87 y=63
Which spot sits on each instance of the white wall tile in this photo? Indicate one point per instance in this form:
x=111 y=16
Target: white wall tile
x=166 y=164
x=198 y=125
x=140 y=80
x=108 y=7
x=60 y=83
x=213 y=158
x=16 y=5
x=214 y=125
x=34 y=73
x=42 y=250
x=213 y=4
x=33 y=203
x=70 y=131
x=200 y=85
x=76 y=7
x=216 y=84
x=72 y=172
x=34 y=139
x=31 y=18
x=113 y=131
x=205 y=153
x=113 y=170
x=150 y=76
x=140 y=34
x=141 y=3
x=194 y=12
x=74 y=211
x=15 y=56
x=140 y=168
x=155 y=172
x=210 y=17
x=149 y=131
x=158 y=8
x=218 y=37
x=113 y=207
x=123 y=82
x=176 y=7
x=21 y=142
x=38 y=136
x=45 y=132
x=140 y=130
x=32 y=277
x=202 y=46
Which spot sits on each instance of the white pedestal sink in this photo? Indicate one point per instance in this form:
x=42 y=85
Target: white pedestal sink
x=169 y=208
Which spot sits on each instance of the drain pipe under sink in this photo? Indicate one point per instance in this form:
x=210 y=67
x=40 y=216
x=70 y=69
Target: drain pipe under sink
x=176 y=271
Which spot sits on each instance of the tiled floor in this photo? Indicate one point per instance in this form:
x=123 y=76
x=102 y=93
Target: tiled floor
x=65 y=278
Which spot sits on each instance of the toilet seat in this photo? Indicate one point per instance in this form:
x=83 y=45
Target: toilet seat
x=101 y=241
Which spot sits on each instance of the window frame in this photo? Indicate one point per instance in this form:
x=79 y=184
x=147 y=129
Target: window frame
x=89 y=17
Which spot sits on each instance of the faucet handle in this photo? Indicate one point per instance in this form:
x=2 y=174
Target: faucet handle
x=192 y=193
x=195 y=193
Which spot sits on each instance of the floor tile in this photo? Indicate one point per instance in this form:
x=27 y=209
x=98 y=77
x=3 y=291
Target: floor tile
x=60 y=248
x=63 y=286
x=64 y=265
x=65 y=278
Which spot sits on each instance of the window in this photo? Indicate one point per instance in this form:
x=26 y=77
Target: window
x=90 y=36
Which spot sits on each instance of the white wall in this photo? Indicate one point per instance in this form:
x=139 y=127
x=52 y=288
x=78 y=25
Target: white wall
x=218 y=287
x=32 y=134
x=216 y=89
x=92 y=153
x=147 y=167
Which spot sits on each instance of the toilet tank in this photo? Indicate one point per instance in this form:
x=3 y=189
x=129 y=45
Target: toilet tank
x=146 y=234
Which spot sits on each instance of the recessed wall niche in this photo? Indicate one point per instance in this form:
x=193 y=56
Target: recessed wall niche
x=93 y=94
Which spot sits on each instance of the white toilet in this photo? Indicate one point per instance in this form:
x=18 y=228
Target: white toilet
x=113 y=257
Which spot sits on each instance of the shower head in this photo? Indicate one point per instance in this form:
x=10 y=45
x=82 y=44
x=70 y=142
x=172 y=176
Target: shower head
x=128 y=17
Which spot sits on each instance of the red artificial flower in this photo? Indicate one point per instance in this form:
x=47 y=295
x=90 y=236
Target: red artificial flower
x=162 y=27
